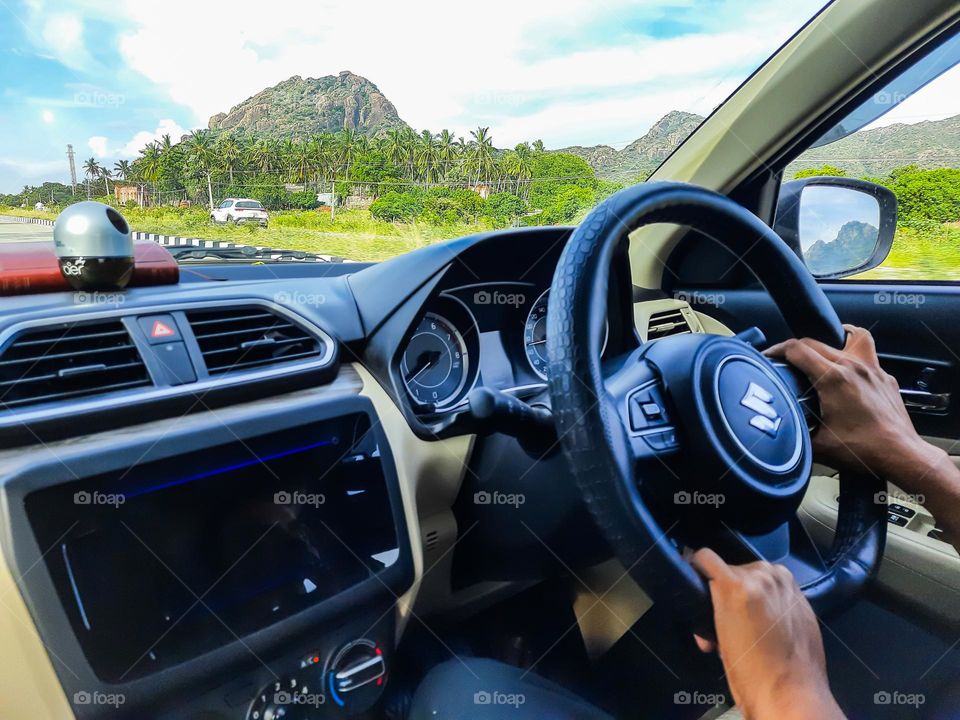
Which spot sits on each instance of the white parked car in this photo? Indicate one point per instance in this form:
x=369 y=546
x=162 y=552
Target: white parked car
x=240 y=210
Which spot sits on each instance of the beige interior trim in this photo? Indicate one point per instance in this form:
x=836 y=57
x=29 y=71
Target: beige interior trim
x=920 y=571
x=430 y=475
x=31 y=688
x=842 y=48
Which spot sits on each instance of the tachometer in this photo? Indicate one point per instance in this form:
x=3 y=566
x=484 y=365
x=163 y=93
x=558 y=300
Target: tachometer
x=435 y=362
x=535 y=335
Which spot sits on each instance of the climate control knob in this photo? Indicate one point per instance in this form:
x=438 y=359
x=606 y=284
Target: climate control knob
x=354 y=677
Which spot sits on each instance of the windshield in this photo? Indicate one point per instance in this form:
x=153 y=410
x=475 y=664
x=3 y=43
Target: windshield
x=450 y=120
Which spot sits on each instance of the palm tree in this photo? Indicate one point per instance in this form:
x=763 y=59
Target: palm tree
x=481 y=150
x=91 y=168
x=122 y=168
x=263 y=156
x=519 y=164
x=229 y=153
x=428 y=153
x=106 y=175
x=200 y=154
x=347 y=145
x=149 y=162
x=301 y=162
x=538 y=146
x=394 y=147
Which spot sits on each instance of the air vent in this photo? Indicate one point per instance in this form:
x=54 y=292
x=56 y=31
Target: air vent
x=67 y=361
x=249 y=338
x=668 y=322
x=430 y=540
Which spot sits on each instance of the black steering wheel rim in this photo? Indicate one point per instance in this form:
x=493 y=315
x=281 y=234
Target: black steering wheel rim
x=602 y=453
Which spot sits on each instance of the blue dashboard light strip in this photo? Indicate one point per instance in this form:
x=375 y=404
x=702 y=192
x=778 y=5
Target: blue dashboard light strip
x=73 y=586
x=220 y=471
x=333 y=691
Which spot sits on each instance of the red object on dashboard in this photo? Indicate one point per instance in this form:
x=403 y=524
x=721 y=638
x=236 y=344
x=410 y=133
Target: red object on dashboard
x=32 y=267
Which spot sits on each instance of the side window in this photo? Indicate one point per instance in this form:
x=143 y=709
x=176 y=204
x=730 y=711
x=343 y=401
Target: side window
x=906 y=138
x=226 y=204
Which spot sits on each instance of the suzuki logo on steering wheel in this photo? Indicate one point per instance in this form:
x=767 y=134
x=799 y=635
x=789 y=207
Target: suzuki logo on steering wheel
x=760 y=401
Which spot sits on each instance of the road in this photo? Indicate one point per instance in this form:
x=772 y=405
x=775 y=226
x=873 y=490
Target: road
x=13 y=232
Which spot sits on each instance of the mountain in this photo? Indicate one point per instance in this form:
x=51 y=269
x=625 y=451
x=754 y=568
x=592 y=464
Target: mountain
x=852 y=247
x=299 y=107
x=643 y=155
x=929 y=144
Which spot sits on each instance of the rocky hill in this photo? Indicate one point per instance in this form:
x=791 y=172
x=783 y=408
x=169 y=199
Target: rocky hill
x=642 y=156
x=299 y=107
x=929 y=144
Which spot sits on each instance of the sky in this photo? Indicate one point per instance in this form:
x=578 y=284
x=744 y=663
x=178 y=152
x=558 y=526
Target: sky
x=110 y=76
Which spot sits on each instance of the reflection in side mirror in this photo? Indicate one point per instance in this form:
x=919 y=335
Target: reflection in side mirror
x=838 y=226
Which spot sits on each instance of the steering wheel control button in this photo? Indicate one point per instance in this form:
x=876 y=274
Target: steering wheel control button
x=159 y=329
x=666 y=440
x=646 y=409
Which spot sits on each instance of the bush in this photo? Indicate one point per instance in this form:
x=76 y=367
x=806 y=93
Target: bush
x=822 y=171
x=447 y=206
x=302 y=201
x=928 y=195
x=398 y=206
x=502 y=208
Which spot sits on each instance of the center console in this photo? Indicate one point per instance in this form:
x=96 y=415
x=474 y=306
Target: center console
x=236 y=565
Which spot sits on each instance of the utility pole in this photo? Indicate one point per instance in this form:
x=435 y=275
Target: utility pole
x=73 y=169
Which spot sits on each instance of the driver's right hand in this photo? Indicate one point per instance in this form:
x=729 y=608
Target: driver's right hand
x=865 y=427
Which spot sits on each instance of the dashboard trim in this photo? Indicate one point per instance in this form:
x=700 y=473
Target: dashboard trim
x=59 y=410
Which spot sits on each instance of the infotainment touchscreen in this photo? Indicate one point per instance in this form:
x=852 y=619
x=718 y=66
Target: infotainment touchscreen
x=166 y=560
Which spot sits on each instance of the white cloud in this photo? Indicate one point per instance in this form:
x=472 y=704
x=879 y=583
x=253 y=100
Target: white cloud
x=145 y=137
x=98 y=146
x=434 y=61
x=62 y=36
x=101 y=146
x=936 y=101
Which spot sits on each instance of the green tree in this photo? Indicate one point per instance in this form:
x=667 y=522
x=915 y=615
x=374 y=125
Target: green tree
x=201 y=155
x=822 y=171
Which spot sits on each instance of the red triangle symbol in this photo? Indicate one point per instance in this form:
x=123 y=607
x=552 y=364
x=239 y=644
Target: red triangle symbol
x=161 y=329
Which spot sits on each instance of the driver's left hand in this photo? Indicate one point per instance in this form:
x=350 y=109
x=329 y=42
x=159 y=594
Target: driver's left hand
x=768 y=640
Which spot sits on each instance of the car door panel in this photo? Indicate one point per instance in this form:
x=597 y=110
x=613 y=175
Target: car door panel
x=916 y=327
x=917 y=331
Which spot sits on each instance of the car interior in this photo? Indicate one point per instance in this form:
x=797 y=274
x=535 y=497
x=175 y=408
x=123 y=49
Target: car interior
x=299 y=489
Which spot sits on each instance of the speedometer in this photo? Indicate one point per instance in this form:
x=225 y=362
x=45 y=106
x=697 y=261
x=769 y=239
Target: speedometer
x=535 y=335
x=435 y=362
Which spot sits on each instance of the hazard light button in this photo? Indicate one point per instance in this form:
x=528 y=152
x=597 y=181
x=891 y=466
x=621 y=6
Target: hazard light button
x=159 y=328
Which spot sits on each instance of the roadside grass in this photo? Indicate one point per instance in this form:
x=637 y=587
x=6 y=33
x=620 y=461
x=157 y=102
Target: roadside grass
x=921 y=253
x=353 y=234
x=925 y=251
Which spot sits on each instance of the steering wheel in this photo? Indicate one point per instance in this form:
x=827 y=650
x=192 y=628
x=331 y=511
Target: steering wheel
x=699 y=440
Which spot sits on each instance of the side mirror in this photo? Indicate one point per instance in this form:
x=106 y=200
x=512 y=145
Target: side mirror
x=838 y=226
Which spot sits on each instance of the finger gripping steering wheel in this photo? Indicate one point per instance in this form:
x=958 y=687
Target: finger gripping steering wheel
x=698 y=439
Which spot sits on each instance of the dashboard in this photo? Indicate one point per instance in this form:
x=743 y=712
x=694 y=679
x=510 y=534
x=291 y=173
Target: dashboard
x=135 y=470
